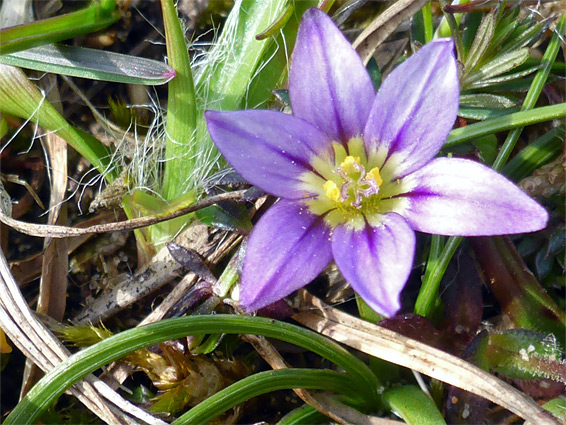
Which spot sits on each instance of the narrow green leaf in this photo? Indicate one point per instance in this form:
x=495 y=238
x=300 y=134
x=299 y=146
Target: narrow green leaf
x=481 y=114
x=507 y=122
x=505 y=26
x=181 y=106
x=262 y=383
x=21 y=98
x=481 y=41
x=440 y=258
x=525 y=35
x=499 y=65
x=413 y=406
x=485 y=100
x=490 y=82
x=473 y=22
x=95 y=17
x=91 y=63
x=428 y=30
x=535 y=155
x=76 y=367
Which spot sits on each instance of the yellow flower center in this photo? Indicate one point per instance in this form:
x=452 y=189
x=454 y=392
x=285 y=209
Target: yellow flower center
x=356 y=184
x=353 y=187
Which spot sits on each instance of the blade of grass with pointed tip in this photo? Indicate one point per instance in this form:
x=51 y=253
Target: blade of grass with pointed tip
x=21 y=98
x=97 y=16
x=181 y=106
x=481 y=41
x=497 y=66
x=534 y=91
x=507 y=122
x=91 y=63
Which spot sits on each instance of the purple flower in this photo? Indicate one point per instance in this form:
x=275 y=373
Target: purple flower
x=356 y=171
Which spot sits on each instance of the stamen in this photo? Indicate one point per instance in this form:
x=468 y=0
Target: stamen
x=375 y=175
x=356 y=183
x=331 y=191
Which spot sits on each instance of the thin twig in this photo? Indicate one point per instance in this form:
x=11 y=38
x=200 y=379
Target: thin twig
x=48 y=231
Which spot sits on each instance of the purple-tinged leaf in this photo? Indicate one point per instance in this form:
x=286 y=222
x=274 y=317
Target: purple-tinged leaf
x=192 y=261
x=416 y=327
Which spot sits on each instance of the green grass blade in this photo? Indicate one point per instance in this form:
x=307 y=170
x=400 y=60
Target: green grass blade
x=426 y=300
x=91 y=63
x=413 y=406
x=262 y=383
x=426 y=12
x=535 y=155
x=534 y=92
x=97 y=16
x=181 y=106
x=21 y=98
x=507 y=122
x=76 y=367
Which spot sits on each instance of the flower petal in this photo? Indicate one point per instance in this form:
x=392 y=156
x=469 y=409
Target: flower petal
x=376 y=261
x=461 y=197
x=415 y=108
x=269 y=149
x=287 y=249
x=328 y=84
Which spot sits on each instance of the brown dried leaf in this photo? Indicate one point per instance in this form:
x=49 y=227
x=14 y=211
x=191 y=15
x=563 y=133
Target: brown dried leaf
x=392 y=347
x=384 y=25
